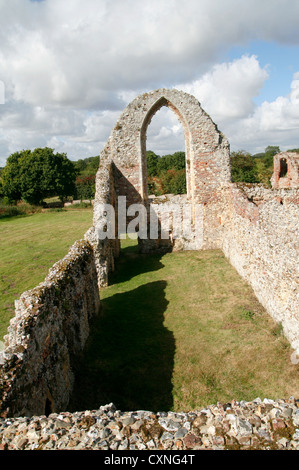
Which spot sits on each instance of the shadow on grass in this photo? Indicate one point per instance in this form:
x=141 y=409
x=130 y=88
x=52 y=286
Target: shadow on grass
x=131 y=263
x=128 y=359
x=129 y=355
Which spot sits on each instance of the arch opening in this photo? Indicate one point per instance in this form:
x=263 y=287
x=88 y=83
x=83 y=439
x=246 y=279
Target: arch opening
x=163 y=123
x=165 y=154
x=283 y=168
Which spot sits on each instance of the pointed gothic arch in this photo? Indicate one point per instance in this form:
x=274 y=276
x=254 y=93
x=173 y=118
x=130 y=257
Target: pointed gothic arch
x=161 y=102
x=207 y=150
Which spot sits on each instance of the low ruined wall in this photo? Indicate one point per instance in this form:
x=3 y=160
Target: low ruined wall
x=261 y=240
x=50 y=327
x=257 y=425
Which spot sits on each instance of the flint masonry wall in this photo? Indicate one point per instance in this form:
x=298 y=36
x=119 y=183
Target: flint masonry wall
x=123 y=171
x=105 y=250
x=50 y=327
x=261 y=240
x=286 y=170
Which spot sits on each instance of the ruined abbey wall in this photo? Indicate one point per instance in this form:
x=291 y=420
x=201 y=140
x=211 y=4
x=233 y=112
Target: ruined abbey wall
x=261 y=240
x=257 y=228
x=50 y=327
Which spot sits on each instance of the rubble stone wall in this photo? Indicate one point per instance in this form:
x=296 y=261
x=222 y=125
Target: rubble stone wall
x=106 y=249
x=257 y=425
x=50 y=327
x=261 y=240
x=286 y=170
x=207 y=149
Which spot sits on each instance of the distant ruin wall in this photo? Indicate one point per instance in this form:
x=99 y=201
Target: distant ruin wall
x=261 y=240
x=286 y=170
x=50 y=327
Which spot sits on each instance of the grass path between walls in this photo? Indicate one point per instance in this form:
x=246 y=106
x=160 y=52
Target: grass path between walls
x=179 y=332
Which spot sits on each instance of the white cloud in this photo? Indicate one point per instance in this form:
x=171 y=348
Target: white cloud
x=272 y=123
x=228 y=89
x=69 y=68
x=165 y=133
x=73 y=53
x=227 y=94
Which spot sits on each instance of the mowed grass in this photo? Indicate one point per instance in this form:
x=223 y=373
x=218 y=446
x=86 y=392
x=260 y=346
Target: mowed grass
x=179 y=332
x=29 y=246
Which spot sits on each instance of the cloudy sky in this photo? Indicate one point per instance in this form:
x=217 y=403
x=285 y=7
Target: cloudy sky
x=68 y=68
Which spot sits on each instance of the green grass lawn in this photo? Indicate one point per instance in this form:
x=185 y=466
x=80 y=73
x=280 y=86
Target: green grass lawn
x=179 y=332
x=29 y=247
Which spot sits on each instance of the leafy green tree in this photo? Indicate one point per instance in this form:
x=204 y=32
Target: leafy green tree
x=11 y=176
x=169 y=162
x=166 y=174
x=270 y=151
x=243 y=167
x=179 y=160
x=1 y=188
x=85 y=187
x=87 y=166
x=34 y=175
x=152 y=162
x=173 y=181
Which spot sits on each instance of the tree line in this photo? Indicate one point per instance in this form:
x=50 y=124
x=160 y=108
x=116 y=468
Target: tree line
x=33 y=176
x=257 y=168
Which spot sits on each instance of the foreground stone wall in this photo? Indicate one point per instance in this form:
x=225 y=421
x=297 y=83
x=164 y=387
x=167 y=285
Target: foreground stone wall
x=50 y=327
x=261 y=425
x=261 y=240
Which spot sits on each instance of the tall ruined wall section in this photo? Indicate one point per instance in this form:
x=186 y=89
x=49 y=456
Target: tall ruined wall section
x=261 y=240
x=206 y=148
x=50 y=327
x=106 y=249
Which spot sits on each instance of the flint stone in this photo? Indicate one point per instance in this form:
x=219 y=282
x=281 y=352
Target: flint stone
x=244 y=427
x=169 y=425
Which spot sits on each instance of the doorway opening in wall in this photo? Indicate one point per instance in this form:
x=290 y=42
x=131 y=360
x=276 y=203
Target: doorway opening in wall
x=165 y=154
x=283 y=168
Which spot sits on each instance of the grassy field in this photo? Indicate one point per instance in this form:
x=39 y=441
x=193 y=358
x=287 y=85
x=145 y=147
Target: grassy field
x=175 y=332
x=29 y=247
x=178 y=332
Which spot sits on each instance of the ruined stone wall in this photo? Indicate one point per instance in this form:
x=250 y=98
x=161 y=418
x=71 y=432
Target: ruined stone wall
x=207 y=149
x=256 y=425
x=123 y=173
x=286 y=170
x=105 y=249
x=50 y=327
x=261 y=240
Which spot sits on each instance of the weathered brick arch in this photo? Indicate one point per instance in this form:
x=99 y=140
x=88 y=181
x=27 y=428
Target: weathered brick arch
x=207 y=150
